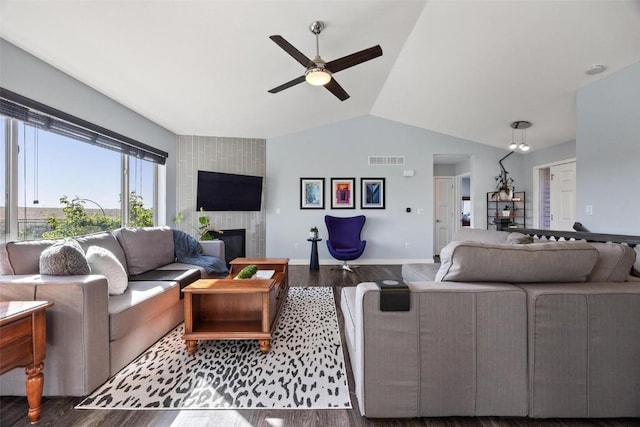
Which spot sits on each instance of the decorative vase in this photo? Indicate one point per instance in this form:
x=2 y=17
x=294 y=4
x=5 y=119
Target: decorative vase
x=506 y=213
x=505 y=195
x=313 y=235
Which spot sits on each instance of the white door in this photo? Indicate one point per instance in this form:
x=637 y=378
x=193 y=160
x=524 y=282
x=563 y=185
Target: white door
x=563 y=196
x=443 y=188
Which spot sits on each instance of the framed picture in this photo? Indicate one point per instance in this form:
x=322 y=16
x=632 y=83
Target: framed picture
x=372 y=191
x=343 y=193
x=311 y=193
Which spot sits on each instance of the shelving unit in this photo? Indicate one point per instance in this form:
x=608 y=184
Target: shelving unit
x=517 y=217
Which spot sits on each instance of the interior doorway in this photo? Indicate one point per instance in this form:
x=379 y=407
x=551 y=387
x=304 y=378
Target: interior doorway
x=444 y=208
x=555 y=195
x=453 y=204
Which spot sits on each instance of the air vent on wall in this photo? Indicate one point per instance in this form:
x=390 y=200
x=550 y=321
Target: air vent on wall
x=386 y=160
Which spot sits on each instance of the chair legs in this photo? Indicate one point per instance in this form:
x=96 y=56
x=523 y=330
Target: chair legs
x=346 y=267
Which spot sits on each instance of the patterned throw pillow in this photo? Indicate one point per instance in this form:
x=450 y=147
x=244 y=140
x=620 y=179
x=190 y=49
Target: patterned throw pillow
x=104 y=262
x=64 y=258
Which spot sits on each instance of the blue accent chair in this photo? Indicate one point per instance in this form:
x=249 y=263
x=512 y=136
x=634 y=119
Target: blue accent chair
x=344 y=241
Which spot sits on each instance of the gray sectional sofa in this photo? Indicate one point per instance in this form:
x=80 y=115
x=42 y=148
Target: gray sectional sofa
x=539 y=330
x=91 y=335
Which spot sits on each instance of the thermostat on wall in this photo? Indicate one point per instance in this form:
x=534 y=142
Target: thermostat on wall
x=408 y=172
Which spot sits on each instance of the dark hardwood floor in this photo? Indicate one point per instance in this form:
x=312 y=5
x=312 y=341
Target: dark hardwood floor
x=58 y=411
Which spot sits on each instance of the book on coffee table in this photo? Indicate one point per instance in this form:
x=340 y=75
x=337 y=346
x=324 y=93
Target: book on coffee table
x=264 y=274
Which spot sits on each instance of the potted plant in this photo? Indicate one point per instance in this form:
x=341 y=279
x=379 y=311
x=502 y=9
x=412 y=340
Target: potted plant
x=205 y=226
x=203 y=229
x=506 y=211
x=503 y=183
x=313 y=233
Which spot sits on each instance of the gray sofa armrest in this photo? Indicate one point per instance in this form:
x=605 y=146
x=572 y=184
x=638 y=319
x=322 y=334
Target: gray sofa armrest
x=213 y=248
x=386 y=344
x=77 y=359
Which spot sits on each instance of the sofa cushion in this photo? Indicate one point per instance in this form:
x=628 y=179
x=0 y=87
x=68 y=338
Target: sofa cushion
x=102 y=261
x=480 y=235
x=64 y=259
x=104 y=240
x=146 y=248
x=537 y=262
x=141 y=302
x=614 y=262
x=22 y=257
x=584 y=347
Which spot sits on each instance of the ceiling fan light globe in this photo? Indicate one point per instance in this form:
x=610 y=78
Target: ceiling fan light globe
x=524 y=147
x=317 y=76
x=513 y=146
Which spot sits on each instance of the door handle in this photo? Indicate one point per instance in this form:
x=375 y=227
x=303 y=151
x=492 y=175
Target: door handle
x=437 y=220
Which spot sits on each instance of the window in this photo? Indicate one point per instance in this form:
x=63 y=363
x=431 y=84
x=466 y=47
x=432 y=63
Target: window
x=3 y=182
x=68 y=180
x=141 y=195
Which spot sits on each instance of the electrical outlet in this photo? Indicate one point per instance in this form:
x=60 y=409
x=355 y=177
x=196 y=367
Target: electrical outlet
x=420 y=211
x=589 y=210
x=296 y=245
x=407 y=245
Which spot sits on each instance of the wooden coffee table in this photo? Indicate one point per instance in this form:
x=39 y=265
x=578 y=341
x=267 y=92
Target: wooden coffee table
x=23 y=343
x=235 y=309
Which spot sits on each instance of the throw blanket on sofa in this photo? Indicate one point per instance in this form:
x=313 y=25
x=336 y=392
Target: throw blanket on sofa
x=188 y=251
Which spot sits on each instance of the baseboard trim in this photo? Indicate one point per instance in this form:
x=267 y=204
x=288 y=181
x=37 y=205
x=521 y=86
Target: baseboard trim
x=380 y=261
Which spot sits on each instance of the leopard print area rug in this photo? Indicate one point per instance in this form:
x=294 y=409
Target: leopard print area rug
x=304 y=369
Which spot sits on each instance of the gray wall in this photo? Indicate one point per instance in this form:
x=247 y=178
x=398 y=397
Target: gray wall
x=341 y=150
x=608 y=153
x=465 y=191
x=440 y=169
x=463 y=167
x=229 y=155
x=27 y=75
x=545 y=156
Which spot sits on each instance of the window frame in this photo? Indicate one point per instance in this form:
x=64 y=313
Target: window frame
x=11 y=166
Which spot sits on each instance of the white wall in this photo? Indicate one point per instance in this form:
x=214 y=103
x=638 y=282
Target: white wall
x=28 y=76
x=341 y=150
x=608 y=153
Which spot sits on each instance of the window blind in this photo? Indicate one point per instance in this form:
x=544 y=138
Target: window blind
x=44 y=117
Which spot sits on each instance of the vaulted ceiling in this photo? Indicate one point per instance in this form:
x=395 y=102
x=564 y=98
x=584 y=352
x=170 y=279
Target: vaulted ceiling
x=463 y=68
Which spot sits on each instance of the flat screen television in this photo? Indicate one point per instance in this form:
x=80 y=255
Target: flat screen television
x=228 y=192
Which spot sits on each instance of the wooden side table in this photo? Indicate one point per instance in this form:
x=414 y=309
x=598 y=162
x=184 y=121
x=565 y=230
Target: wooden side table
x=23 y=337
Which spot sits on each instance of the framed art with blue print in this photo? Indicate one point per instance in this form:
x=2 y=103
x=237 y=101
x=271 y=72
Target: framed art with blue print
x=311 y=193
x=372 y=193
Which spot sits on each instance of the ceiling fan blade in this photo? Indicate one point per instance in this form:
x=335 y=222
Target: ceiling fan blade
x=354 y=59
x=291 y=50
x=337 y=90
x=293 y=82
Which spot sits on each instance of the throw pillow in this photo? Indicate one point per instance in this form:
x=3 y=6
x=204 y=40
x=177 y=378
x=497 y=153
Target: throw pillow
x=104 y=262
x=533 y=263
x=64 y=258
x=146 y=248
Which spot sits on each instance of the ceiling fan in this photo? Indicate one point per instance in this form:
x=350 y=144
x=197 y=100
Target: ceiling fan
x=318 y=72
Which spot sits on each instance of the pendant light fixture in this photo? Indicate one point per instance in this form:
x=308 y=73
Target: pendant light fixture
x=522 y=126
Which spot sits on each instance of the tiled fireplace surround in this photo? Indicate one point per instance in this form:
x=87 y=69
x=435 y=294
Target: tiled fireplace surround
x=245 y=156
